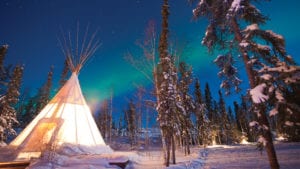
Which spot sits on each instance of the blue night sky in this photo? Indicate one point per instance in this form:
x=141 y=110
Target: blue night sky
x=31 y=28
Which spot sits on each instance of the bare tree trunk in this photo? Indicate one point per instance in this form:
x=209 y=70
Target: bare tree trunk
x=245 y=56
x=164 y=145
x=263 y=118
x=219 y=138
x=173 y=150
x=168 y=146
x=110 y=117
x=147 y=134
x=163 y=135
x=188 y=143
x=269 y=146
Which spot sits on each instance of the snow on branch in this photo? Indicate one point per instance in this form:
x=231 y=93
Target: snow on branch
x=235 y=6
x=266 y=76
x=253 y=123
x=273 y=112
x=200 y=9
x=275 y=35
x=289 y=123
x=262 y=140
x=279 y=96
x=244 y=44
x=251 y=27
x=257 y=93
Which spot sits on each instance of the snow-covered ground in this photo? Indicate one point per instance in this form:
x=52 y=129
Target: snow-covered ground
x=248 y=157
x=212 y=157
x=224 y=157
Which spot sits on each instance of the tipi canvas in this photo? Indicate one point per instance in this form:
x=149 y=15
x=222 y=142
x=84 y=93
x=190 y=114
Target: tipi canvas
x=66 y=121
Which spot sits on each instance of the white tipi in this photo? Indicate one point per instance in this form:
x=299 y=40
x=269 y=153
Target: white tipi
x=65 y=121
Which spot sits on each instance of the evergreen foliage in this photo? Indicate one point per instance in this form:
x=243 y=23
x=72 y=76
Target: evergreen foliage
x=188 y=105
x=44 y=93
x=4 y=70
x=168 y=101
x=225 y=126
x=261 y=51
x=29 y=112
x=64 y=74
x=202 y=122
x=8 y=101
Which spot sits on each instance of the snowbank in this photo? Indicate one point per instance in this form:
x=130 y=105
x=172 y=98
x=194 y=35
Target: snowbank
x=75 y=156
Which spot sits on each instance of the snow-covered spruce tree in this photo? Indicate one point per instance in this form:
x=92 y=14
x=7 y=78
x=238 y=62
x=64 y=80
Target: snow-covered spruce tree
x=21 y=105
x=228 y=73
x=235 y=136
x=202 y=121
x=63 y=77
x=170 y=108
x=244 y=116
x=3 y=50
x=7 y=110
x=225 y=127
x=293 y=130
x=163 y=77
x=188 y=105
x=169 y=104
x=212 y=115
x=29 y=113
x=241 y=123
x=4 y=71
x=44 y=93
x=225 y=29
x=216 y=124
x=276 y=83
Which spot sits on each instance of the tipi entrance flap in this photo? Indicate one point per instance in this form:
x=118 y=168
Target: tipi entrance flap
x=42 y=135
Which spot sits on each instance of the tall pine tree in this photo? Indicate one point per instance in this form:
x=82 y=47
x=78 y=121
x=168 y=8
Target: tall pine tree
x=44 y=93
x=8 y=101
x=64 y=74
x=257 y=48
x=225 y=128
x=4 y=70
x=184 y=82
x=201 y=117
x=169 y=105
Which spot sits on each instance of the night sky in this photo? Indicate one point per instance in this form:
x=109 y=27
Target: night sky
x=31 y=29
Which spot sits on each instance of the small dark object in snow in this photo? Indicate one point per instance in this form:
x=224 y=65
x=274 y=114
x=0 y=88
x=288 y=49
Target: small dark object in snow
x=121 y=164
